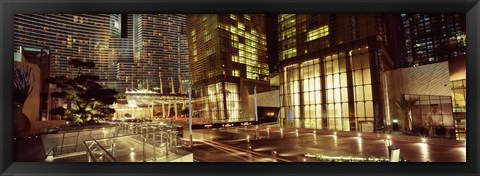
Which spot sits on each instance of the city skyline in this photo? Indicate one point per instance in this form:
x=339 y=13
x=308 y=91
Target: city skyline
x=246 y=76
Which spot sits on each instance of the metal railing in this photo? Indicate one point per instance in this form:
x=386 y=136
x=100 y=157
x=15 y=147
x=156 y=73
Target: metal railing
x=64 y=142
x=143 y=142
x=97 y=153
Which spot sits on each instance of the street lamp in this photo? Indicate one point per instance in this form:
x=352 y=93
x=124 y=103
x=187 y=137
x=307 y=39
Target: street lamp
x=190 y=113
x=424 y=140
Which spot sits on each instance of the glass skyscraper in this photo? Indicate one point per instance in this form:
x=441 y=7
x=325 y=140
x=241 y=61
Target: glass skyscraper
x=228 y=59
x=332 y=71
x=152 y=48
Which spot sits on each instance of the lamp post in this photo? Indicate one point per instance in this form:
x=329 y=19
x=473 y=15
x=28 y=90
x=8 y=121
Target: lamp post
x=256 y=110
x=190 y=113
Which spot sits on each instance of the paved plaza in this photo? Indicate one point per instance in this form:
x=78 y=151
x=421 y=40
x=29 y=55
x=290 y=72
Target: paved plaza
x=289 y=144
x=274 y=144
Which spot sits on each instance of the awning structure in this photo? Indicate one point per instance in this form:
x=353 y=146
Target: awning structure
x=146 y=103
x=147 y=97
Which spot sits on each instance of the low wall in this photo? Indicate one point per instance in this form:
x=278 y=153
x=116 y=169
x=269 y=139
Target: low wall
x=38 y=125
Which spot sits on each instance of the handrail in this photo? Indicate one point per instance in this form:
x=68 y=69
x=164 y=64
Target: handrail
x=88 y=150
x=134 y=134
x=145 y=131
x=101 y=147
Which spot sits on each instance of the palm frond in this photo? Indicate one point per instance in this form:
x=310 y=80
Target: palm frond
x=23 y=81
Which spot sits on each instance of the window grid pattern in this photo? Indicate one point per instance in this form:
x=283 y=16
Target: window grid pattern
x=302 y=92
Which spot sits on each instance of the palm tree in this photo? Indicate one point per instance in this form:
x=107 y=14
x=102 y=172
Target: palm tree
x=23 y=83
x=405 y=106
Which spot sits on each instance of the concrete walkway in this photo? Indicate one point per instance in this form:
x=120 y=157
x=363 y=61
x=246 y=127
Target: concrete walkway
x=289 y=143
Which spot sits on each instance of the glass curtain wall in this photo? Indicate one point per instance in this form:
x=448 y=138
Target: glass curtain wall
x=323 y=93
x=210 y=104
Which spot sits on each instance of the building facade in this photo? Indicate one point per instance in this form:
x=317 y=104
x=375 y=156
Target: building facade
x=332 y=71
x=85 y=37
x=228 y=59
x=129 y=50
x=431 y=38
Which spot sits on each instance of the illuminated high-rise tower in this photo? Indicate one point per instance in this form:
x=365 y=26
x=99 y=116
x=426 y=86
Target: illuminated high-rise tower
x=129 y=50
x=160 y=48
x=80 y=36
x=332 y=71
x=228 y=59
x=431 y=38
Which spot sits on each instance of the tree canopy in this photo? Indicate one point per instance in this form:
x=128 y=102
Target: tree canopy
x=85 y=97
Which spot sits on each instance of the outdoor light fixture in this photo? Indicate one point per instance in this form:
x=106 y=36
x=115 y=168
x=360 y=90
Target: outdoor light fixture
x=335 y=133
x=314 y=131
x=388 y=136
x=388 y=141
x=359 y=134
x=131 y=149
x=395 y=121
x=424 y=140
x=49 y=158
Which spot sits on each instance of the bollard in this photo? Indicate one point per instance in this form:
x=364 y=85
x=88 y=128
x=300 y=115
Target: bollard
x=394 y=154
x=144 y=142
x=161 y=141
x=113 y=148
x=167 y=142
x=154 y=147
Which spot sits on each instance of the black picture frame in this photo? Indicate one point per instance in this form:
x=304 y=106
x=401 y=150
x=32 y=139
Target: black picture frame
x=10 y=7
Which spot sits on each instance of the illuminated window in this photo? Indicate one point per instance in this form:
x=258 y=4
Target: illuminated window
x=208 y=37
x=241 y=26
x=317 y=33
x=247 y=17
x=210 y=51
x=234 y=37
x=288 y=33
x=236 y=73
x=192 y=33
x=233 y=16
x=288 y=53
x=283 y=17
x=235 y=58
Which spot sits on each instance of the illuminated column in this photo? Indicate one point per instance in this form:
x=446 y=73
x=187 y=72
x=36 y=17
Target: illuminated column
x=172 y=85
x=175 y=108
x=161 y=84
x=151 y=110
x=163 y=109
x=302 y=101
x=183 y=105
x=169 y=107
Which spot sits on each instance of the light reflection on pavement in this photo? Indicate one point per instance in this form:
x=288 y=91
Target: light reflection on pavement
x=289 y=144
